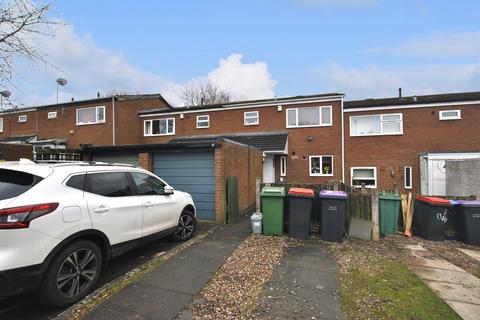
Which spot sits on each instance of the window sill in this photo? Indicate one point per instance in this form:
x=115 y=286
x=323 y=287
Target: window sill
x=203 y=127
x=90 y=123
x=310 y=126
x=158 y=135
x=377 y=134
x=250 y=124
x=320 y=175
x=369 y=187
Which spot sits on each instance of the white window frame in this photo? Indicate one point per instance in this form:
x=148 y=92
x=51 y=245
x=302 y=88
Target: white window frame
x=321 y=165
x=441 y=115
x=97 y=121
x=52 y=115
x=359 y=168
x=405 y=177
x=320 y=124
x=381 y=126
x=283 y=166
x=1 y=124
x=22 y=118
x=202 y=121
x=256 y=116
x=158 y=134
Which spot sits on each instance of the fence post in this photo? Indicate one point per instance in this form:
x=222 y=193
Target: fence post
x=375 y=218
x=257 y=196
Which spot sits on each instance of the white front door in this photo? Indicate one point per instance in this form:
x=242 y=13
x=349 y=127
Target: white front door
x=268 y=170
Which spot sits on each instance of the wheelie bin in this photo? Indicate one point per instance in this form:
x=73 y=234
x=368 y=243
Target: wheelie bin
x=333 y=205
x=389 y=206
x=467 y=214
x=300 y=202
x=272 y=199
x=430 y=217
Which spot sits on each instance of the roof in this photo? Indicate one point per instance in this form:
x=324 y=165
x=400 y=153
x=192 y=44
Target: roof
x=212 y=143
x=22 y=138
x=410 y=100
x=246 y=102
x=265 y=141
x=99 y=100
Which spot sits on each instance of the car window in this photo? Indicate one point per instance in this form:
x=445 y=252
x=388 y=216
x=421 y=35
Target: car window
x=14 y=183
x=108 y=184
x=77 y=182
x=147 y=185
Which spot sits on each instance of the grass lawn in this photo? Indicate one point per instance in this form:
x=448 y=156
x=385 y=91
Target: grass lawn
x=374 y=284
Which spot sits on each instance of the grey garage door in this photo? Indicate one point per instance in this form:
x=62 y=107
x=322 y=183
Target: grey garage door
x=192 y=172
x=128 y=158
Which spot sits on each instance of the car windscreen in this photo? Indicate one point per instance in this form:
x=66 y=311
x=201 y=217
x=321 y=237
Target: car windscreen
x=14 y=183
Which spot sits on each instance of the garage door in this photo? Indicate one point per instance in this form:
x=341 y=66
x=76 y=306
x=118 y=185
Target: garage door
x=128 y=158
x=192 y=172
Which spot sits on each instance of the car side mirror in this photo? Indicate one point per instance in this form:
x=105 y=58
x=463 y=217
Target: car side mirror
x=168 y=190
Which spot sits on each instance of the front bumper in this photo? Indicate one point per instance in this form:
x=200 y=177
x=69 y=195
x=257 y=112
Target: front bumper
x=20 y=280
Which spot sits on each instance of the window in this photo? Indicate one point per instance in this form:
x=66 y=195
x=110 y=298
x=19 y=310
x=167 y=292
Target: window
x=321 y=165
x=364 y=175
x=108 y=184
x=52 y=115
x=91 y=115
x=203 y=122
x=407 y=177
x=14 y=183
x=22 y=118
x=147 y=185
x=309 y=117
x=251 y=118
x=283 y=166
x=76 y=182
x=159 y=127
x=450 y=115
x=1 y=124
x=374 y=125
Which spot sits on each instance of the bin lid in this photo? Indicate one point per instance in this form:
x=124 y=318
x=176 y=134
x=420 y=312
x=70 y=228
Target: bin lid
x=389 y=196
x=434 y=200
x=468 y=203
x=329 y=194
x=273 y=191
x=303 y=192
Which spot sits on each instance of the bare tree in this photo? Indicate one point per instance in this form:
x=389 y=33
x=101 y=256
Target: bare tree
x=203 y=93
x=21 y=22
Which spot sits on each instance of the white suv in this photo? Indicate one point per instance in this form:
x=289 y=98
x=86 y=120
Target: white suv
x=60 y=222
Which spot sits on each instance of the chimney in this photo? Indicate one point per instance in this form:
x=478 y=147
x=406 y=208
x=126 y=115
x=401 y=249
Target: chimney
x=400 y=93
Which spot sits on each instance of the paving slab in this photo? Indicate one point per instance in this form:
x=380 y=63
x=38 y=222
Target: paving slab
x=471 y=253
x=303 y=286
x=458 y=288
x=163 y=292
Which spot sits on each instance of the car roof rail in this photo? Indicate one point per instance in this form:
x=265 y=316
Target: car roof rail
x=59 y=163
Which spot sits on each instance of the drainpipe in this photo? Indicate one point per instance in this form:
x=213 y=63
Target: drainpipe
x=343 y=145
x=113 y=120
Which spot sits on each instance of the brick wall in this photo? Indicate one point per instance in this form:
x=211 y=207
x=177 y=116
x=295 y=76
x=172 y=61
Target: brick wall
x=13 y=152
x=243 y=162
x=422 y=132
x=145 y=160
x=302 y=142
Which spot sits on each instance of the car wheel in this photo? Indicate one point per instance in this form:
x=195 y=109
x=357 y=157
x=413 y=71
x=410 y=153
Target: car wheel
x=72 y=274
x=186 y=227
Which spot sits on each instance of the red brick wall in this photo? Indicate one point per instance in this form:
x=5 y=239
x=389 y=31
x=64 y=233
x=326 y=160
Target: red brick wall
x=145 y=160
x=243 y=162
x=325 y=140
x=13 y=152
x=422 y=132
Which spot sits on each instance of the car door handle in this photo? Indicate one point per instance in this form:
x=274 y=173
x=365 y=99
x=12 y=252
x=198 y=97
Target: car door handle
x=148 y=204
x=101 y=209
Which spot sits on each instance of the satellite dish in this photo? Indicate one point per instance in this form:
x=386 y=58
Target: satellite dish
x=5 y=93
x=62 y=81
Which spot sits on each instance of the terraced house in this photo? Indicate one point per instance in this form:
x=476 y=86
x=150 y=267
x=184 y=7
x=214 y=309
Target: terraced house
x=400 y=142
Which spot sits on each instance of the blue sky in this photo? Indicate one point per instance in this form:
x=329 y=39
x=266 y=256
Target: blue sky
x=259 y=49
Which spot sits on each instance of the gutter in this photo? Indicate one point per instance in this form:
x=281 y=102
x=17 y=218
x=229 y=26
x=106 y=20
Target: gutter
x=113 y=120
x=343 y=144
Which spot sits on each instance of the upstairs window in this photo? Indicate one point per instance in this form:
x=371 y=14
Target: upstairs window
x=450 y=115
x=91 y=115
x=364 y=175
x=203 y=122
x=23 y=118
x=321 y=166
x=251 y=118
x=159 y=127
x=52 y=115
x=309 y=117
x=376 y=125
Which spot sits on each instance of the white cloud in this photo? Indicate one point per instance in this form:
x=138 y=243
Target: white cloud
x=376 y=81
x=243 y=80
x=90 y=68
x=336 y=2
x=438 y=45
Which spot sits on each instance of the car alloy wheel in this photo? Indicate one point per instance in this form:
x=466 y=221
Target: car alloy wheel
x=186 y=227
x=77 y=271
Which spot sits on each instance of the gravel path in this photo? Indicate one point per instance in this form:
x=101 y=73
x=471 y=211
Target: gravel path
x=233 y=291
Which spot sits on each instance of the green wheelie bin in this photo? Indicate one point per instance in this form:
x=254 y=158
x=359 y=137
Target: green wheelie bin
x=389 y=206
x=272 y=199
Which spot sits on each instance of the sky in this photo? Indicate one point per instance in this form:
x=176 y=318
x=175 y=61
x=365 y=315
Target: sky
x=256 y=49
